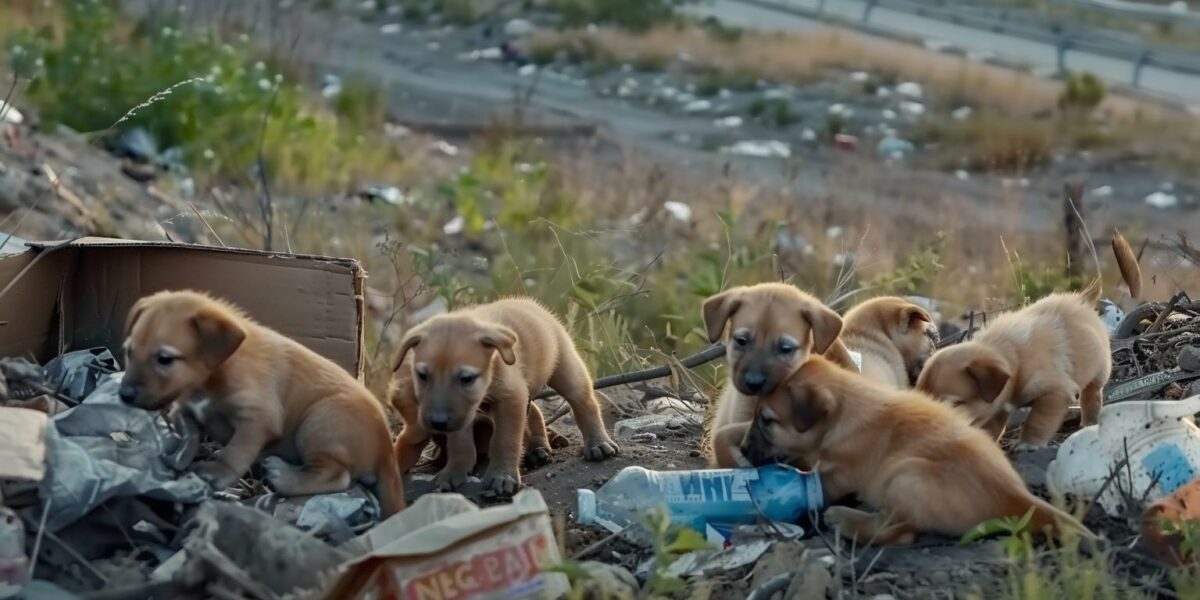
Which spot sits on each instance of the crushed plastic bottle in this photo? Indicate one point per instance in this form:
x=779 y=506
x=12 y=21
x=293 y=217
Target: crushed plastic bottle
x=712 y=501
x=1152 y=446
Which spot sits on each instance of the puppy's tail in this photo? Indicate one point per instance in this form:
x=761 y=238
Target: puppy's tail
x=389 y=483
x=1128 y=264
x=1046 y=517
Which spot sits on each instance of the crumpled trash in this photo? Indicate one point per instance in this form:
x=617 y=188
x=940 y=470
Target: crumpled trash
x=21 y=380
x=518 y=27
x=911 y=108
x=1111 y=314
x=77 y=374
x=962 y=113
x=104 y=449
x=1159 y=439
x=11 y=114
x=331 y=85
x=136 y=144
x=333 y=517
x=911 y=89
x=894 y=147
x=845 y=141
x=23 y=445
x=678 y=210
x=14 y=564
x=697 y=106
x=704 y=562
x=386 y=193
x=759 y=148
x=1162 y=200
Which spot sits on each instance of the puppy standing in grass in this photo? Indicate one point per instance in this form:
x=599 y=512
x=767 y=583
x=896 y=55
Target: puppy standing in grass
x=774 y=328
x=493 y=357
x=894 y=337
x=276 y=395
x=1044 y=356
x=917 y=461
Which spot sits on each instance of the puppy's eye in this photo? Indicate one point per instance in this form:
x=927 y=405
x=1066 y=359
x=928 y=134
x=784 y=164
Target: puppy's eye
x=786 y=348
x=165 y=360
x=422 y=375
x=741 y=340
x=467 y=379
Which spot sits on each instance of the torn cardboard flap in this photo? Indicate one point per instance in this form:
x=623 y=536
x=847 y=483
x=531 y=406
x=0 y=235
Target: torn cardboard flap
x=23 y=444
x=443 y=547
x=76 y=294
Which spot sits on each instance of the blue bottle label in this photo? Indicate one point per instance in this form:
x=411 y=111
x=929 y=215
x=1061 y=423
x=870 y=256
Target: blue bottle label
x=710 y=486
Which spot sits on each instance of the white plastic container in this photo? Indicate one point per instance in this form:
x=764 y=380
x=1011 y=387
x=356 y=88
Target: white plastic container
x=1160 y=438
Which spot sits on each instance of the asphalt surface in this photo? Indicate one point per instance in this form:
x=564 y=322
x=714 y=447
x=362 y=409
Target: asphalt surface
x=1040 y=57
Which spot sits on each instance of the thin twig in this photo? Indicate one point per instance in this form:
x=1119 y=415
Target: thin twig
x=205 y=221
x=266 y=204
x=704 y=356
x=610 y=538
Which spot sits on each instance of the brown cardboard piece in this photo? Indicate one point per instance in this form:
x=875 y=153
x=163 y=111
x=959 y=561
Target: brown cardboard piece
x=443 y=547
x=61 y=296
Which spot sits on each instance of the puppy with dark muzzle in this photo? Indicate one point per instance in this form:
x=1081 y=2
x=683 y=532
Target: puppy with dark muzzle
x=917 y=462
x=773 y=329
x=492 y=358
x=268 y=394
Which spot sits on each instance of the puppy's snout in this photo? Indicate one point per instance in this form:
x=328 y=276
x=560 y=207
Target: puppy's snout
x=754 y=381
x=438 y=421
x=128 y=393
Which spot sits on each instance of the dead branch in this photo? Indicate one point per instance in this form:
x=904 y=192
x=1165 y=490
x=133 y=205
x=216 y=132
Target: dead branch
x=704 y=356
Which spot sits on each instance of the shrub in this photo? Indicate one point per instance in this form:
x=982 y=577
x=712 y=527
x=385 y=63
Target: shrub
x=1082 y=91
x=636 y=15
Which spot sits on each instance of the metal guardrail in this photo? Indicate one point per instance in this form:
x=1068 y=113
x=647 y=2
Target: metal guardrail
x=1063 y=39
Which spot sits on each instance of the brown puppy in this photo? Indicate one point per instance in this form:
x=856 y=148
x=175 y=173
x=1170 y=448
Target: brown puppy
x=1044 y=356
x=269 y=392
x=894 y=337
x=918 y=462
x=493 y=357
x=774 y=328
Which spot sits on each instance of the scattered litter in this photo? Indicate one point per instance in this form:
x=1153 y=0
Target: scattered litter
x=390 y=28
x=334 y=518
x=136 y=144
x=14 y=565
x=1162 y=200
x=697 y=106
x=860 y=76
x=911 y=89
x=962 y=175
x=909 y=107
x=331 y=85
x=1158 y=437
x=1160 y=524
x=627 y=428
x=493 y=53
x=808 y=135
x=428 y=548
x=454 y=226
x=777 y=94
x=962 y=113
x=888 y=114
x=845 y=141
x=701 y=498
x=445 y=147
x=518 y=27
x=834 y=231
x=730 y=122
x=607 y=581
x=759 y=148
x=1103 y=191
x=87 y=466
x=527 y=70
x=394 y=130
x=11 y=114
x=385 y=193
x=894 y=148
x=23 y=445
x=704 y=562
x=837 y=109
x=882 y=92
x=1111 y=314
x=678 y=210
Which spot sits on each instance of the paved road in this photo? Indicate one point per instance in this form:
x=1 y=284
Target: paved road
x=1039 y=56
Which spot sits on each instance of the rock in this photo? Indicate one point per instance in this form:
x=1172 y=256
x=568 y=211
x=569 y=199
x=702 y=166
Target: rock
x=1189 y=359
x=140 y=172
x=781 y=558
x=518 y=27
x=136 y=144
x=962 y=175
x=811 y=582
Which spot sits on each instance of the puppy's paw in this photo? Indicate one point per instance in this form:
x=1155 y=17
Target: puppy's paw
x=501 y=484
x=275 y=470
x=839 y=517
x=537 y=457
x=448 y=481
x=601 y=449
x=216 y=473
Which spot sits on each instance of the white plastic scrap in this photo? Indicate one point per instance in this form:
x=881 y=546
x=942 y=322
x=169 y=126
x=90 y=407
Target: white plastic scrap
x=909 y=107
x=445 y=148
x=518 y=27
x=759 y=148
x=730 y=122
x=1162 y=200
x=11 y=114
x=390 y=28
x=962 y=174
x=697 y=106
x=860 y=76
x=1103 y=191
x=680 y=211
x=527 y=70
x=962 y=113
x=889 y=114
x=911 y=89
x=454 y=226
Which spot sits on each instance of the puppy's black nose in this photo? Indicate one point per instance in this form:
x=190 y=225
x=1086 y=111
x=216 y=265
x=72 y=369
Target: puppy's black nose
x=439 y=422
x=128 y=394
x=754 y=381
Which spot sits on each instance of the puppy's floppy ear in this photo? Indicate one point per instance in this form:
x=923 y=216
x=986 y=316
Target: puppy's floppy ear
x=718 y=310
x=990 y=375
x=912 y=315
x=411 y=339
x=135 y=313
x=811 y=404
x=502 y=339
x=826 y=326
x=219 y=336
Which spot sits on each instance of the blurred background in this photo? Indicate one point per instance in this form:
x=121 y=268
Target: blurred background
x=619 y=159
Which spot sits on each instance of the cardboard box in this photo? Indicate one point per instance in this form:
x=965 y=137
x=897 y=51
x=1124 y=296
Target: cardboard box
x=61 y=296
x=443 y=547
